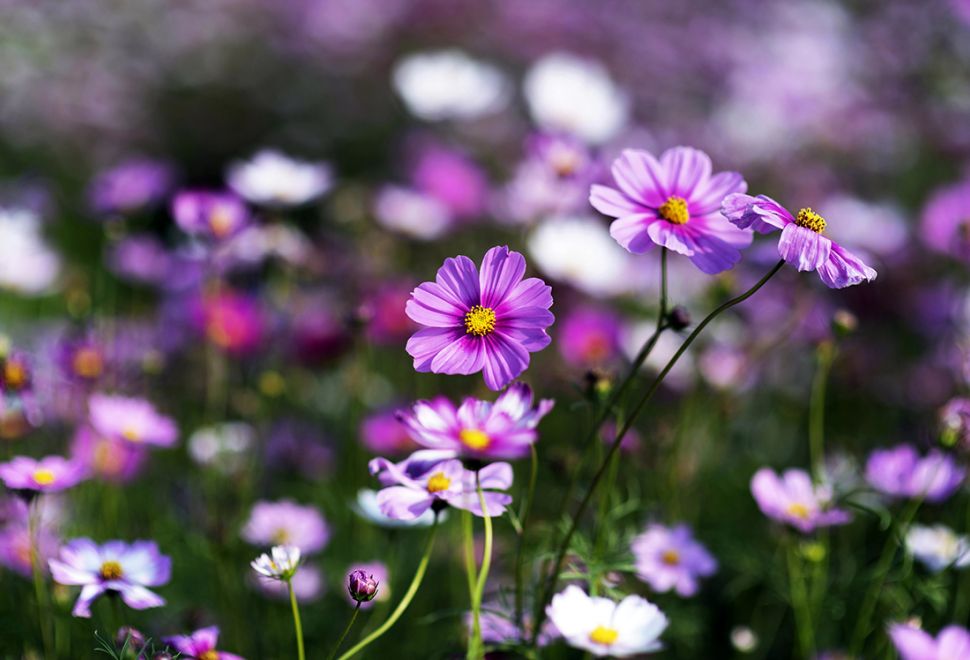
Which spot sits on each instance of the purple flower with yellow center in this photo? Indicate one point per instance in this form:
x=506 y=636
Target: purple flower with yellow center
x=669 y=558
x=210 y=214
x=115 y=567
x=130 y=419
x=488 y=321
x=439 y=484
x=287 y=523
x=201 y=645
x=47 y=475
x=794 y=500
x=15 y=373
x=801 y=244
x=674 y=202
x=83 y=359
x=914 y=644
x=902 y=472
x=232 y=321
x=479 y=429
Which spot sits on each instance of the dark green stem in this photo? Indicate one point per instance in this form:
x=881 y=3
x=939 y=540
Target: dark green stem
x=343 y=636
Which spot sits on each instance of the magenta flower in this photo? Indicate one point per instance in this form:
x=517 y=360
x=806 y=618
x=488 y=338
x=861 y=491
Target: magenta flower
x=383 y=433
x=488 y=321
x=47 y=475
x=287 y=523
x=130 y=419
x=669 y=558
x=945 y=223
x=479 y=429
x=902 y=472
x=801 y=244
x=116 y=567
x=793 y=499
x=444 y=483
x=589 y=337
x=201 y=645
x=233 y=321
x=210 y=214
x=915 y=644
x=673 y=202
x=15 y=547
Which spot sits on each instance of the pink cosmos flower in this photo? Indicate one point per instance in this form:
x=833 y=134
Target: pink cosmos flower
x=488 y=321
x=232 y=321
x=201 y=645
x=801 y=244
x=131 y=420
x=590 y=337
x=669 y=558
x=15 y=546
x=47 y=475
x=383 y=433
x=108 y=458
x=914 y=644
x=902 y=472
x=673 y=202
x=287 y=523
x=793 y=499
x=210 y=214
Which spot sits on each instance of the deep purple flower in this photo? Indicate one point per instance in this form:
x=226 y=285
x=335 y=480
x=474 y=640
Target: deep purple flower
x=952 y=643
x=130 y=419
x=116 y=566
x=47 y=475
x=201 y=645
x=674 y=202
x=488 y=321
x=793 y=499
x=801 y=244
x=210 y=214
x=669 y=558
x=82 y=359
x=589 y=337
x=479 y=429
x=901 y=472
x=130 y=186
x=363 y=586
x=945 y=224
x=287 y=523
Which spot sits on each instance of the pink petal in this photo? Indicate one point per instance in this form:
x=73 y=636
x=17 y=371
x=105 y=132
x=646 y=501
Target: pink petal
x=640 y=177
x=464 y=355
x=504 y=360
x=425 y=344
x=611 y=202
x=803 y=248
x=459 y=275
x=435 y=306
x=685 y=169
x=631 y=232
x=501 y=271
x=844 y=269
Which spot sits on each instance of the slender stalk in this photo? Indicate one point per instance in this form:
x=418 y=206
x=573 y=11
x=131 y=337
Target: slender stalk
x=297 y=625
x=469 y=536
x=800 y=603
x=405 y=601
x=343 y=635
x=564 y=545
x=33 y=535
x=524 y=517
x=816 y=420
x=476 y=643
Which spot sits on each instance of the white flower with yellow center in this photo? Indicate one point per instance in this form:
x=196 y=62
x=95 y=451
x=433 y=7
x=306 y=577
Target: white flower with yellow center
x=279 y=564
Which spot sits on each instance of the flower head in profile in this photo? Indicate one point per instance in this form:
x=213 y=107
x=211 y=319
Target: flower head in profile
x=479 y=429
x=802 y=243
x=794 y=500
x=287 y=523
x=273 y=179
x=938 y=547
x=914 y=644
x=669 y=558
x=130 y=419
x=201 y=645
x=674 y=202
x=604 y=627
x=115 y=567
x=488 y=321
x=901 y=472
x=280 y=563
x=209 y=214
x=47 y=475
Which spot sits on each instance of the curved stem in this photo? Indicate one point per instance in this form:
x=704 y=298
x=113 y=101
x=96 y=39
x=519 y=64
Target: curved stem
x=297 y=625
x=405 y=601
x=476 y=643
x=524 y=517
x=343 y=636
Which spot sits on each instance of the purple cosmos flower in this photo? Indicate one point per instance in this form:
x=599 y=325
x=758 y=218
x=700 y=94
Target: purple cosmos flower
x=480 y=429
x=945 y=225
x=914 y=644
x=446 y=482
x=116 y=566
x=367 y=583
x=47 y=475
x=589 y=337
x=802 y=243
x=451 y=178
x=15 y=374
x=201 y=645
x=794 y=500
x=383 y=433
x=901 y=472
x=130 y=419
x=674 y=202
x=141 y=258
x=108 y=458
x=669 y=558
x=488 y=321
x=210 y=214
x=82 y=359
x=130 y=186
x=287 y=523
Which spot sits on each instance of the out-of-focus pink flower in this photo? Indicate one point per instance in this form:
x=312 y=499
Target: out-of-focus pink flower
x=589 y=337
x=129 y=419
x=945 y=225
x=451 y=178
x=130 y=186
x=233 y=321
x=287 y=523
x=210 y=214
x=47 y=475
x=952 y=643
x=669 y=558
x=383 y=433
x=384 y=316
x=902 y=472
x=106 y=457
x=793 y=499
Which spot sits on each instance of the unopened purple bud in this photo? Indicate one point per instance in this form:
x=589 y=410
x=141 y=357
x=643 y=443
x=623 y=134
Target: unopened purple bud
x=362 y=586
x=134 y=638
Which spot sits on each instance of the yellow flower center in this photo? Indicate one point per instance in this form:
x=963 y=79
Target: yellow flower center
x=43 y=477
x=209 y=655
x=438 y=482
x=675 y=210
x=480 y=321
x=14 y=374
x=220 y=221
x=798 y=510
x=809 y=219
x=603 y=635
x=281 y=537
x=474 y=439
x=670 y=557
x=111 y=570
x=87 y=363
x=131 y=434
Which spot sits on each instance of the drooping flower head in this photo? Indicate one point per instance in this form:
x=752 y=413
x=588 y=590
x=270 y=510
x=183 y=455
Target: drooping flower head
x=604 y=627
x=674 y=202
x=47 y=475
x=201 y=645
x=287 y=523
x=915 y=644
x=902 y=472
x=938 y=547
x=801 y=244
x=479 y=429
x=281 y=563
x=273 y=179
x=130 y=419
x=669 y=558
x=488 y=321
x=794 y=500
x=209 y=214
x=117 y=566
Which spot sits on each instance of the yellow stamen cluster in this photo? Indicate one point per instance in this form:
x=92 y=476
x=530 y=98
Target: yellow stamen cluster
x=675 y=210
x=474 y=439
x=480 y=321
x=809 y=219
x=281 y=536
x=220 y=221
x=438 y=482
x=670 y=557
x=14 y=374
x=131 y=434
x=111 y=570
x=87 y=363
x=43 y=477
x=209 y=655
x=603 y=635
x=798 y=510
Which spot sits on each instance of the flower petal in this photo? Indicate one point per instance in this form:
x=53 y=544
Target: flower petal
x=464 y=355
x=640 y=177
x=501 y=270
x=612 y=202
x=433 y=305
x=425 y=344
x=685 y=168
x=459 y=275
x=803 y=248
x=504 y=360
x=844 y=269
x=631 y=231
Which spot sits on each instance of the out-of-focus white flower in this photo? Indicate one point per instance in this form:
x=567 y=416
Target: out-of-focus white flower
x=259 y=243
x=27 y=264
x=576 y=95
x=279 y=564
x=938 y=547
x=448 y=84
x=411 y=213
x=224 y=447
x=367 y=509
x=271 y=178
x=603 y=627
x=744 y=639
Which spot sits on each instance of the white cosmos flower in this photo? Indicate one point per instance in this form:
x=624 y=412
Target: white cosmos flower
x=368 y=509
x=603 y=627
x=411 y=213
x=225 y=447
x=280 y=564
x=576 y=95
x=27 y=264
x=938 y=547
x=448 y=84
x=271 y=178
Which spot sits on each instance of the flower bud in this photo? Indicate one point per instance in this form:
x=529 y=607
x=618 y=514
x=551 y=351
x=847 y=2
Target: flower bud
x=844 y=323
x=362 y=587
x=134 y=638
x=678 y=318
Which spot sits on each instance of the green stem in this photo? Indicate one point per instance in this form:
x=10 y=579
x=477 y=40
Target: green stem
x=524 y=517
x=33 y=534
x=468 y=533
x=816 y=420
x=343 y=635
x=800 y=603
x=297 y=625
x=403 y=605
x=599 y=535
x=476 y=648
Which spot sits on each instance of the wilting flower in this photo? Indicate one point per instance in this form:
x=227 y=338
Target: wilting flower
x=488 y=321
x=449 y=84
x=130 y=186
x=938 y=547
x=130 y=419
x=480 y=429
x=280 y=564
x=47 y=475
x=273 y=179
x=287 y=523
x=209 y=214
x=116 y=566
x=445 y=482
x=201 y=645
x=364 y=585
x=914 y=644
x=589 y=337
x=604 y=627
x=945 y=225
x=109 y=458
x=902 y=472
x=674 y=202
x=669 y=558
x=794 y=500
x=801 y=244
